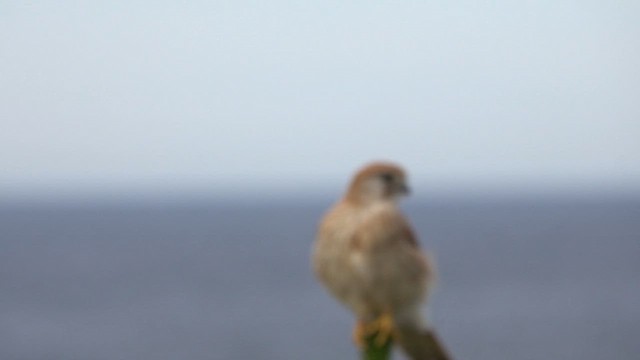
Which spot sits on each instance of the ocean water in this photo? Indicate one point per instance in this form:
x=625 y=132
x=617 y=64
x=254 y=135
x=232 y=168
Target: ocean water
x=519 y=279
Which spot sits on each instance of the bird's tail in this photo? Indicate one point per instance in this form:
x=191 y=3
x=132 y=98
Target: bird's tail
x=419 y=343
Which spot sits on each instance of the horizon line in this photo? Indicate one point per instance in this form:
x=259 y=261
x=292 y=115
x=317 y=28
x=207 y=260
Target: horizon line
x=178 y=195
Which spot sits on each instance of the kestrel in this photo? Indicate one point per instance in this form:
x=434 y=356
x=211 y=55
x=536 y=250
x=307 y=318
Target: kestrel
x=368 y=258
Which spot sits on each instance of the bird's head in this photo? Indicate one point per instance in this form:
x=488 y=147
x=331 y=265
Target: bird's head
x=378 y=181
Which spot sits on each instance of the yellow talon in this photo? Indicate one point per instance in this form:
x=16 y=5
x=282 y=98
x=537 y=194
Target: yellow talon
x=382 y=328
x=359 y=333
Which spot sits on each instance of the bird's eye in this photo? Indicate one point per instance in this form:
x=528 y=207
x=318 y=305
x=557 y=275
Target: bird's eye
x=387 y=177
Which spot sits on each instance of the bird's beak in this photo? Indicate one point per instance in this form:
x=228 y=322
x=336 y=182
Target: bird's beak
x=403 y=189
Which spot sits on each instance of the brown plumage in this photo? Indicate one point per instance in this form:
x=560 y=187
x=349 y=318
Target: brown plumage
x=368 y=258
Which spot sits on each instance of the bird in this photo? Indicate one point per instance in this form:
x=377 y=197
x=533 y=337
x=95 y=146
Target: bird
x=367 y=256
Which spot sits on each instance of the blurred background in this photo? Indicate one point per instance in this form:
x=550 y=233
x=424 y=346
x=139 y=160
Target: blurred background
x=163 y=166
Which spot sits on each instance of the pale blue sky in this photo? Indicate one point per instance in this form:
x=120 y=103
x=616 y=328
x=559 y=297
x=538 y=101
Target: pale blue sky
x=233 y=97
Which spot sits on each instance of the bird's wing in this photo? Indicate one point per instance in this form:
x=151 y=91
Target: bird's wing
x=407 y=234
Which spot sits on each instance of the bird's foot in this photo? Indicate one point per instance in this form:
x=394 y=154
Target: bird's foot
x=381 y=329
